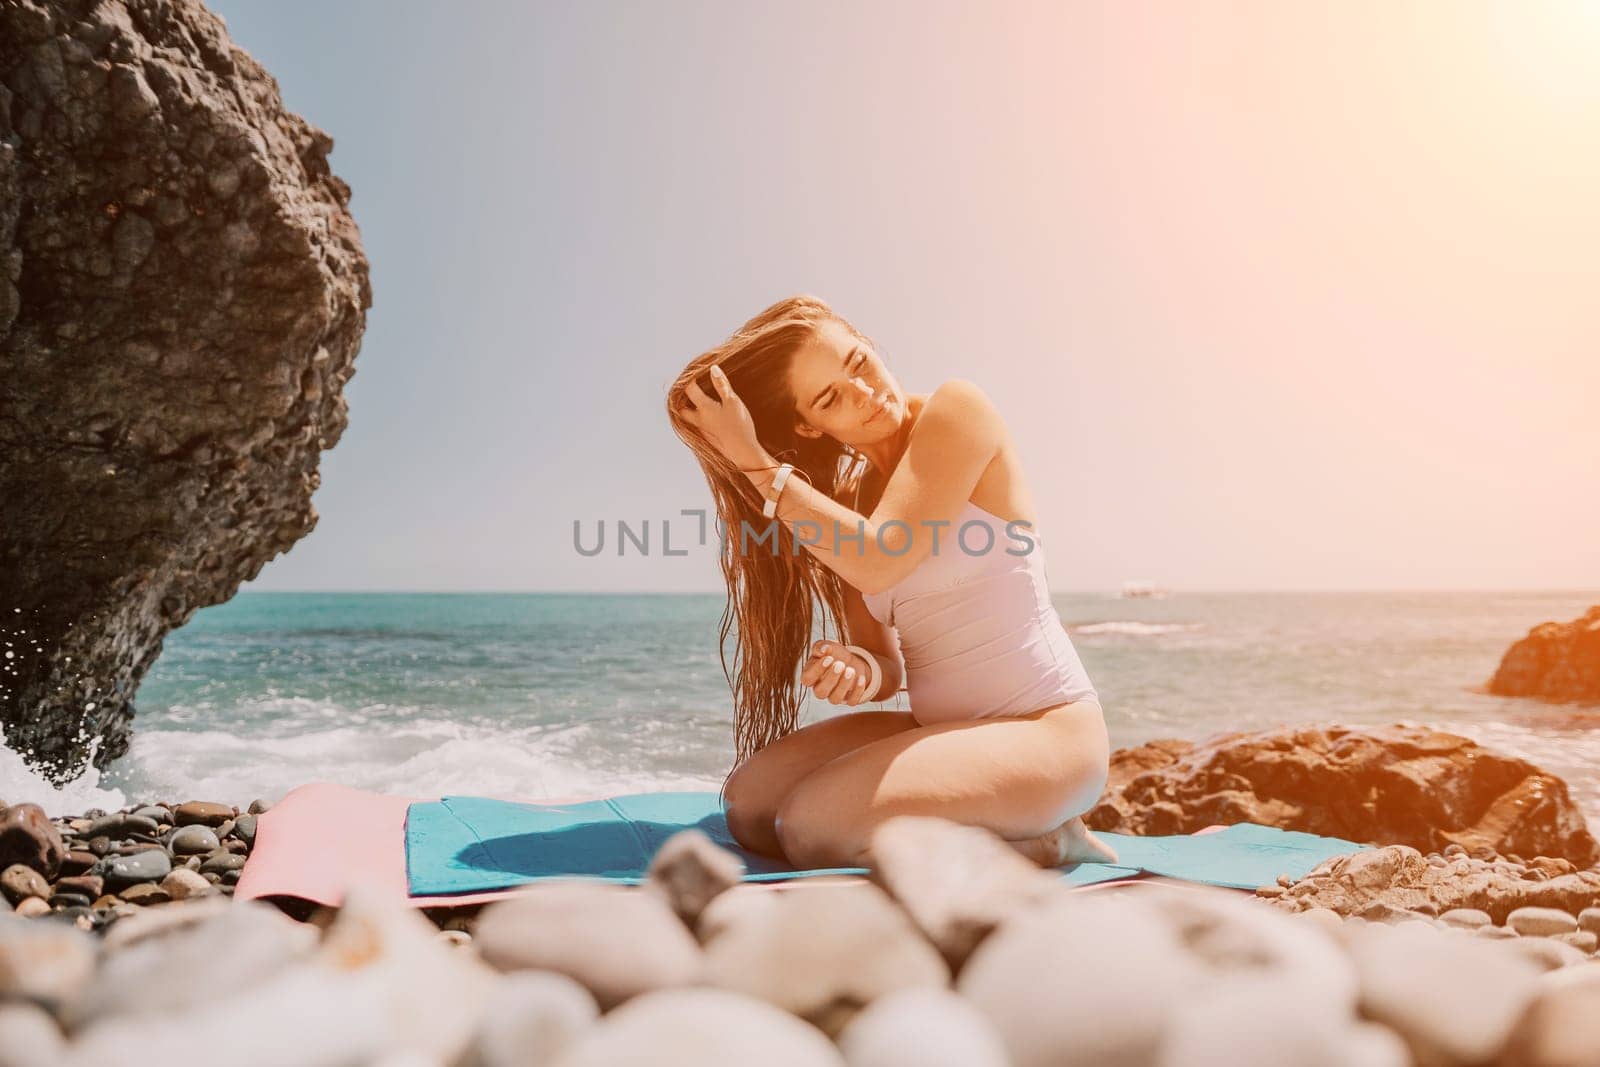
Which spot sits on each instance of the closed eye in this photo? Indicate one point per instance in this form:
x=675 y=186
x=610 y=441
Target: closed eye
x=852 y=371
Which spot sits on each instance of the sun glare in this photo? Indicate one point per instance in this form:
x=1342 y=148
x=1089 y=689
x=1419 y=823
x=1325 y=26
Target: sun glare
x=1553 y=48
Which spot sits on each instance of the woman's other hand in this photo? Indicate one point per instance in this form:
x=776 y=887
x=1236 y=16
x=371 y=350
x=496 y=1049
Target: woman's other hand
x=722 y=419
x=836 y=674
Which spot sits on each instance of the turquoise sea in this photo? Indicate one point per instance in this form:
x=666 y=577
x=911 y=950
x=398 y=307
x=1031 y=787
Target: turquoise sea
x=544 y=695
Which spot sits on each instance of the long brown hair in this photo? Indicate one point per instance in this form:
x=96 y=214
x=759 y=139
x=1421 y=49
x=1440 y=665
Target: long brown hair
x=772 y=594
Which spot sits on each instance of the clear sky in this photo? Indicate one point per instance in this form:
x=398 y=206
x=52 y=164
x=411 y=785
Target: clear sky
x=1272 y=296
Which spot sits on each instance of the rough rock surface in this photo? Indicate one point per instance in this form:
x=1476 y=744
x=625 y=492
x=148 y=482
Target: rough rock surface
x=1382 y=882
x=182 y=295
x=1557 y=661
x=1392 y=785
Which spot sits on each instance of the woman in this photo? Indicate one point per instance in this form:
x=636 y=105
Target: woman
x=1004 y=730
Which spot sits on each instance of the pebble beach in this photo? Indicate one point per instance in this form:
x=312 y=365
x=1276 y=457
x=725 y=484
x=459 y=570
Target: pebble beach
x=122 y=933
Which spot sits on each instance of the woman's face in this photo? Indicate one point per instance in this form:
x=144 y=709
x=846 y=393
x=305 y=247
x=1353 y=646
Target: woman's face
x=842 y=389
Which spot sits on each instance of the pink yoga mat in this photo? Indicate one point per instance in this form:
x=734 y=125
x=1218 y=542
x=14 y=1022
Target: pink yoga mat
x=322 y=839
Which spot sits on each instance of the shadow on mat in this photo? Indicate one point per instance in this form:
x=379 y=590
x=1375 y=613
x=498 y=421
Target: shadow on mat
x=609 y=849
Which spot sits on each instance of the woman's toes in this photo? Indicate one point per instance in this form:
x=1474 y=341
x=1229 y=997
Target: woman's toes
x=1081 y=846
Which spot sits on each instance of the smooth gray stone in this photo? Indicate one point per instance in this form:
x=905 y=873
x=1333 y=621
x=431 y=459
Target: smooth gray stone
x=1231 y=934
x=956 y=882
x=221 y=863
x=191 y=966
x=29 y=1037
x=192 y=839
x=1582 y=940
x=823 y=953
x=926 y=1027
x=745 y=902
x=618 y=941
x=1467 y=918
x=1541 y=922
x=1561 y=1028
x=1083 y=980
x=700 y=1026
x=147 y=923
x=115 y=826
x=1454 y=998
x=1245 y=1020
x=531 y=1017
x=156 y=812
x=244 y=828
x=122 y=871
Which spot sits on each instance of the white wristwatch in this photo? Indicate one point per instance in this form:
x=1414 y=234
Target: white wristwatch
x=770 y=508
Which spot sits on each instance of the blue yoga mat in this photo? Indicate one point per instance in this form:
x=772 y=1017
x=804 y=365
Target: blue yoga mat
x=471 y=844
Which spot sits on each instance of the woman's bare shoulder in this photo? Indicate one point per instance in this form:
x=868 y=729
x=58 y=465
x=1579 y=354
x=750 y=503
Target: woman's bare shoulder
x=962 y=394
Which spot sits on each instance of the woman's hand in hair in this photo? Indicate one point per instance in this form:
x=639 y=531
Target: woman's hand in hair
x=723 y=420
x=836 y=674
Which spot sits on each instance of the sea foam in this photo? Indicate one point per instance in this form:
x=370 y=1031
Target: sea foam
x=1134 y=629
x=21 y=784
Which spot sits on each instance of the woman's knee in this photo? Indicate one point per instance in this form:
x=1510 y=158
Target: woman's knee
x=807 y=843
x=743 y=794
x=751 y=828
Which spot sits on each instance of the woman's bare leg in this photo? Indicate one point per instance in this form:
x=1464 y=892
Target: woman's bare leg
x=1026 y=778
x=760 y=785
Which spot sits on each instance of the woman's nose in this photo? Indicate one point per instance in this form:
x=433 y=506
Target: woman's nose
x=864 y=387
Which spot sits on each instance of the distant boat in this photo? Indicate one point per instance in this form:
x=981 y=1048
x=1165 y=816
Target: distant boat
x=1143 y=588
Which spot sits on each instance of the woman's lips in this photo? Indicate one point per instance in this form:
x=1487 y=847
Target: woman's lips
x=881 y=407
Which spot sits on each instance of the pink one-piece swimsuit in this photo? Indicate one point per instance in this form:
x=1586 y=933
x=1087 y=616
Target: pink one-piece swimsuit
x=977 y=631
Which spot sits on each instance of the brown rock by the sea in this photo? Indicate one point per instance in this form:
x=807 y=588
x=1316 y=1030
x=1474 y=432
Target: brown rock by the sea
x=1557 y=661
x=182 y=294
x=1403 y=784
x=28 y=837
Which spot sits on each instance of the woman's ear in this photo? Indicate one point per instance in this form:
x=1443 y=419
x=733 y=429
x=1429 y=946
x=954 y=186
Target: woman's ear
x=805 y=430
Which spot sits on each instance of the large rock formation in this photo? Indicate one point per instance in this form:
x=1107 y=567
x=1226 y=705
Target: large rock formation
x=1557 y=661
x=182 y=295
x=1391 y=785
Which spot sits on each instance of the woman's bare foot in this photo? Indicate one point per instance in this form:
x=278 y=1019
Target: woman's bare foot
x=1071 y=842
